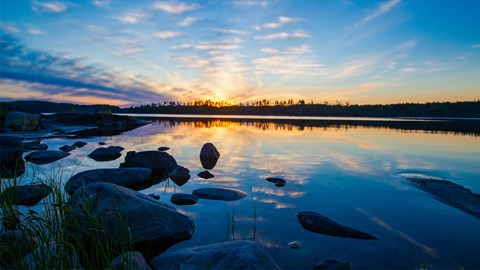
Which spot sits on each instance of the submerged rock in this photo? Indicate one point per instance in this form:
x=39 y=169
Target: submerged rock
x=20 y=121
x=163 y=148
x=239 y=254
x=209 y=156
x=154 y=195
x=180 y=175
x=68 y=148
x=333 y=264
x=205 y=175
x=35 y=145
x=183 y=199
x=14 y=245
x=106 y=153
x=157 y=161
x=102 y=143
x=221 y=194
x=45 y=156
x=11 y=150
x=314 y=222
x=130 y=260
x=295 y=245
x=26 y=195
x=79 y=144
x=134 y=178
x=279 y=182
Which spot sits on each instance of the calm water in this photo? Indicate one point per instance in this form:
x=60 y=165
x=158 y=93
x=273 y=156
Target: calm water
x=345 y=170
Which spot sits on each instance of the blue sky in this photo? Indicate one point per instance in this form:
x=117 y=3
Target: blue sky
x=134 y=52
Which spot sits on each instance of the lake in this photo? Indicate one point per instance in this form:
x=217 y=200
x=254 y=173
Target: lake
x=346 y=169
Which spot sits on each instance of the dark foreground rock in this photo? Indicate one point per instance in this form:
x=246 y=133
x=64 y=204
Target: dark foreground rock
x=333 y=264
x=45 y=156
x=209 y=156
x=148 y=225
x=130 y=260
x=14 y=245
x=11 y=150
x=222 y=194
x=279 y=182
x=314 y=222
x=183 y=199
x=180 y=175
x=228 y=255
x=20 y=121
x=158 y=162
x=134 y=178
x=106 y=153
x=27 y=194
x=205 y=175
x=447 y=192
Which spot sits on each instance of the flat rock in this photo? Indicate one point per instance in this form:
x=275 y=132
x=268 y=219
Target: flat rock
x=205 y=175
x=106 y=153
x=295 y=245
x=163 y=148
x=45 y=156
x=180 y=175
x=79 y=144
x=158 y=162
x=130 y=260
x=239 y=254
x=102 y=143
x=209 y=156
x=221 y=194
x=11 y=150
x=447 y=192
x=333 y=264
x=14 y=245
x=134 y=178
x=27 y=194
x=314 y=222
x=183 y=199
x=68 y=148
x=279 y=182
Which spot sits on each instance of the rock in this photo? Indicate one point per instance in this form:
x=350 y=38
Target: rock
x=239 y=254
x=154 y=195
x=36 y=147
x=209 y=156
x=129 y=217
x=26 y=195
x=333 y=264
x=101 y=120
x=20 y=121
x=295 y=245
x=279 y=182
x=11 y=150
x=130 y=260
x=447 y=192
x=183 y=199
x=68 y=148
x=222 y=194
x=163 y=148
x=102 y=143
x=134 y=178
x=79 y=144
x=106 y=153
x=314 y=222
x=157 y=161
x=45 y=156
x=180 y=175
x=14 y=245
x=205 y=175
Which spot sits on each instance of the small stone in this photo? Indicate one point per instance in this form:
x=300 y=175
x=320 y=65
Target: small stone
x=106 y=153
x=102 y=143
x=80 y=144
x=163 y=148
x=221 y=194
x=68 y=148
x=154 y=195
x=45 y=156
x=279 y=182
x=295 y=245
x=184 y=199
x=209 y=156
x=180 y=175
x=205 y=175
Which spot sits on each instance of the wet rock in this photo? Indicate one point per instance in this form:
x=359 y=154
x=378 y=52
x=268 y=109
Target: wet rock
x=79 y=144
x=134 y=178
x=68 y=148
x=20 y=121
x=209 y=156
x=14 y=245
x=130 y=260
x=45 y=156
x=180 y=175
x=36 y=147
x=102 y=143
x=447 y=192
x=314 y=222
x=157 y=161
x=154 y=195
x=26 y=195
x=239 y=254
x=279 y=182
x=11 y=150
x=205 y=175
x=101 y=120
x=333 y=264
x=163 y=148
x=183 y=199
x=221 y=194
x=106 y=153
x=295 y=245
x=152 y=225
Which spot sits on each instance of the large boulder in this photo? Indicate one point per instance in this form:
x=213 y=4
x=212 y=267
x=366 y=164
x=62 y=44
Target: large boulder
x=161 y=163
x=127 y=217
x=11 y=150
x=45 y=156
x=14 y=245
x=26 y=195
x=209 y=156
x=20 y=121
x=106 y=153
x=134 y=178
x=221 y=194
x=314 y=222
x=239 y=254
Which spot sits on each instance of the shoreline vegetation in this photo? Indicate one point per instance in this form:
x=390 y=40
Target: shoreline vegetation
x=459 y=109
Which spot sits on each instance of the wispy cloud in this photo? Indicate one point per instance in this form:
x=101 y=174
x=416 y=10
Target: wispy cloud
x=133 y=17
x=221 y=45
x=281 y=21
x=188 y=21
x=53 y=7
x=292 y=50
x=250 y=3
x=175 y=8
x=8 y=28
x=476 y=46
x=230 y=31
x=167 y=34
x=283 y=35
x=102 y=3
x=35 y=32
x=132 y=51
x=383 y=8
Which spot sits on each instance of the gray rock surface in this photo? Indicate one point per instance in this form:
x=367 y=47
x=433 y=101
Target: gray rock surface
x=239 y=254
x=134 y=178
x=180 y=175
x=157 y=161
x=20 y=121
x=106 y=153
x=11 y=150
x=183 y=199
x=45 y=156
x=205 y=175
x=27 y=194
x=130 y=260
x=314 y=222
x=222 y=194
x=333 y=264
x=209 y=156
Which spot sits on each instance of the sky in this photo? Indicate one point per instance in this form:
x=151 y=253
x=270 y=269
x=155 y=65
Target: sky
x=136 y=52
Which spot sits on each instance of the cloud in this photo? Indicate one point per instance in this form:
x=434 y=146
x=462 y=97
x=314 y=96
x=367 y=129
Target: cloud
x=476 y=46
x=250 y=3
x=102 y=3
x=8 y=28
x=167 y=34
x=382 y=9
x=132 y=51
x=283 y=35
x=52 y=7
x=133 y=17
x=289 y=65
x=35 y=32
x=292 y=50
x=221 y=45
x=230 y=31
x=175 y=8
x=188 y=21
x=281 y=21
